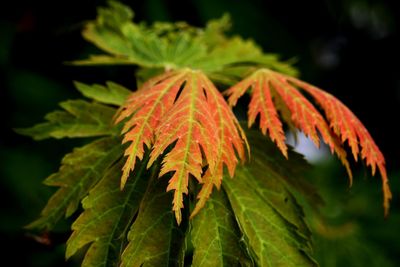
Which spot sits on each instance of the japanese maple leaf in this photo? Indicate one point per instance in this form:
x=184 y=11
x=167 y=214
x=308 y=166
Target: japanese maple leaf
x=182 y=109
x=230 y=136
x=149 y=104
x=341 y=125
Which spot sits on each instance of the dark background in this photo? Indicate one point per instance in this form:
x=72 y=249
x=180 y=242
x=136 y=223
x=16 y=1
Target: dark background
x=349 y=48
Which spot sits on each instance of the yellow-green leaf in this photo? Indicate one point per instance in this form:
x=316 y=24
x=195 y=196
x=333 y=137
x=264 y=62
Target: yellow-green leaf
x=112 y=93
x=108 y=213
x=78 y=119
x=79 y=172
x=271 y=220
x=216 y=237
x=154 y=238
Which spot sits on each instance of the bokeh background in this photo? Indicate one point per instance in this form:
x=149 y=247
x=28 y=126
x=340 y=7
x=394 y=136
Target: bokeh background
x=348 y=47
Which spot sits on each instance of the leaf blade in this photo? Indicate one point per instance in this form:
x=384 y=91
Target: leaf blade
x=154 y=238
x=108 y=213
x=271 y=220
x=112 y=93
x=202 y=131
x=143 y=119
x=276 y=235
x=229 y=146
x=78 y=119
x=345 y=125
x=349 y=128
x=216 y=236
x=190 y=124
x=80 y=170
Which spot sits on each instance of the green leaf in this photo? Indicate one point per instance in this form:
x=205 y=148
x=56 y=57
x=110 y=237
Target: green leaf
x=79 y=172
x=216 y=236
x=114 y=15
x=78 y=119
x=290 y=171
x=106 y=31
x=166 y=46
x=113 y=93
x=103 y=60
x=236 y=51
x=172 y=45
x=268 y=214
x=155 y=239
x=230 y=51
x=107 y=217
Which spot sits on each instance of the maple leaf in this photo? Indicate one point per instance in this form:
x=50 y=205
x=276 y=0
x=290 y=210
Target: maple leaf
x=148 y=106
x=182 y=108
x=179 y=124
x=108 y=213
x=346 y=125
x=216 y=236
x=79 y=172
x=154 y=239
x=230 y=136
x=112 y=93
x=78 y=119
x=269 y=86
x=271 y=220
x=172 y=45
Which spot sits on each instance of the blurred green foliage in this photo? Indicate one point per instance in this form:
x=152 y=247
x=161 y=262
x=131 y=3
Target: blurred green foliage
x=349 y=229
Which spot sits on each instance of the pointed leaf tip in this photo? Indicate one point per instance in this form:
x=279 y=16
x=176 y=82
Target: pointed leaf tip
x=182 y=109
x=270 y=88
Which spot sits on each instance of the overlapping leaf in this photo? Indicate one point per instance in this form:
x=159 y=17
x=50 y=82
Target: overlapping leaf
x=230 y=139
x=346 y=125
x=154 y=238
x=78 y=119
x=216 y=237
x=181 y=117
x=114 y=32
x=269 y=87
x=112 y=93
x=234 y=51
x=107 y=217
x=290 y=169
x=79 y=172
x=183 y=109
x=148 y=108
x=271 y=220
x=172 y=45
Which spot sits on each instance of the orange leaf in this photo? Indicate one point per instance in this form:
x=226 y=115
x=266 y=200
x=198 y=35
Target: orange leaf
x=344 y=124
x=261 y=103
x=230 y=136
x=147 y=107
x=348 y=127
x=182 y=109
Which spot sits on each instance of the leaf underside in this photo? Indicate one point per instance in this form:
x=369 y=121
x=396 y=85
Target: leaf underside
x=270 y=89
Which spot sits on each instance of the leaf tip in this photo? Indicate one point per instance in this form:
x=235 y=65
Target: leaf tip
x=124 y=178
x=387 y=194
x=178 y=216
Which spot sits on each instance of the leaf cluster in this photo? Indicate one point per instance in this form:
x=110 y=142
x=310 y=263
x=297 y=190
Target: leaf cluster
x=136 y=226
x=180 y=139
